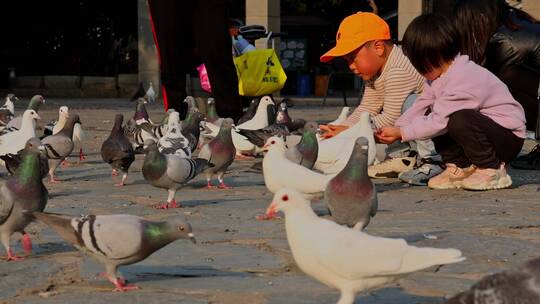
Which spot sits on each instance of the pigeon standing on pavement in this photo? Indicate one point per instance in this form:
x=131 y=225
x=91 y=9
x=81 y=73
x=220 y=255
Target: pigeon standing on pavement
x=211 y=113
x=22 y=191
x=78 y=131
x=351 y=196
x=117 y=239
x=7 y=111
x=279 y=172
x=515 y=286
x=306 y=151
x=282 y=115
x=16 y=123
x=250 y=112
x=150 y=93
x=141 y=115
x=117 y=151
x=60 y=145
x=346 y=259
x=265 y=110
x=191 y=128
x=169 y=171
x=173 y=141
x=15 y=141
x=220 y=152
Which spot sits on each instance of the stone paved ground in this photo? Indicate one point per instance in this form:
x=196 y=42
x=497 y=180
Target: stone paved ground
x=241 y=260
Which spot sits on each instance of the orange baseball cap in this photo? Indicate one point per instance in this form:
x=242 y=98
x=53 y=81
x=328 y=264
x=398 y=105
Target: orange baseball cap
x=354 y=31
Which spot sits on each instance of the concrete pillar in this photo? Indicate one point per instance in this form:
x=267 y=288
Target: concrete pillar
x=148 y=58
x=407 y=11
x=264 y=12
x=532 y=7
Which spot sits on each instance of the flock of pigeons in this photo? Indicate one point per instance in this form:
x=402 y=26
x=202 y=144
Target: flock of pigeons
x=297 y=167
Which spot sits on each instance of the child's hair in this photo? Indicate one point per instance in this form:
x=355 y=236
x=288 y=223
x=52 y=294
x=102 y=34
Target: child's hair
x=430 y=41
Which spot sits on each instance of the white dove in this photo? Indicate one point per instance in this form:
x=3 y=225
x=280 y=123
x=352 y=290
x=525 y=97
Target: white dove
x=279 y=172
x=346 y=259
x=260 y=120
x=342 y=116
x=13 y=142
x=334 y=152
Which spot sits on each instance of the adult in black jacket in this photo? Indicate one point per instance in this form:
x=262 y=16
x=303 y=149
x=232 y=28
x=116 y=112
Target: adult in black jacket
x=506 y=41
x=188 y=33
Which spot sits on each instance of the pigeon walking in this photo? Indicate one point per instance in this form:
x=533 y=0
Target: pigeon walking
x=191 y=128
x=59 y=146
x=116 y=240
x=306 y=151
x=346 y=259
x=220 y=151
x=351 y=196
x=515 y=286
x=117 y=151
x=264 y=113
x=22 y=191
x=169 y=172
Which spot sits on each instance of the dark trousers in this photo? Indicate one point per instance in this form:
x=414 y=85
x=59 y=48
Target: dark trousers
x=475 y=139
x=184 y=31
x=523 y=84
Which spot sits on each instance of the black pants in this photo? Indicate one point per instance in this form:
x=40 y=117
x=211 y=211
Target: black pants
x=184 y=31
x=523 y=84
x=475 y=139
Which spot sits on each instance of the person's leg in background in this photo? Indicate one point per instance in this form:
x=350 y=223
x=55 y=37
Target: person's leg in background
x=524 y=84
x=213 y=42
x=171 y=25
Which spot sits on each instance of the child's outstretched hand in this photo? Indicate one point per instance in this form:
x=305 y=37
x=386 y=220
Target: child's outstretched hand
x=387 y=135
x=331 y=130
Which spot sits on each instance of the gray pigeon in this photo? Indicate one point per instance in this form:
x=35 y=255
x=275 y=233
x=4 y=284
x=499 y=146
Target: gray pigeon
x=169 y=171
x=117 y=151
x=250 y=112
x=220 y=151
x=351 y=196
x=118 y=239
x=282 y=115
x=192 y=104
x=305 y=152
x=15 y=123
x=516 y=286
x=7 y=111
x=60 y=145
x=191 y=127
x=260 y=136
x=211 y=113
x=141 y=115
x=22 y=191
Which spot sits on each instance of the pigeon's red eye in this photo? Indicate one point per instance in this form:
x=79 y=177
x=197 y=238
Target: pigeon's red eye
x=285 y=198
x=181 y=228
x=273 y=142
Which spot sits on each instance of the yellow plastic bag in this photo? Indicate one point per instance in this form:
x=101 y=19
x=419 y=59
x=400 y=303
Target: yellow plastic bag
x=259 y=73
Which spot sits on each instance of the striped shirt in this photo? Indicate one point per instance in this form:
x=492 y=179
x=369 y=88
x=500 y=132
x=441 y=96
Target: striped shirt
x=384 y=96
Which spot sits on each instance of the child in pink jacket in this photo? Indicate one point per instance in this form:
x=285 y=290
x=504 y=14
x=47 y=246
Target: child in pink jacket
x=476 y=124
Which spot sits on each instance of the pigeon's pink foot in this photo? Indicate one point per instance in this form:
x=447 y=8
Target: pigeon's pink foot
x=265 y=217
x=12 y=257
x=81 y=155
x=121 y=285
x=243 y=157
x=174 y=204
x=120 y=184
x=161 y=206
x=209 y=186
x=54 y=181
x=223 y=186
x=26 y=243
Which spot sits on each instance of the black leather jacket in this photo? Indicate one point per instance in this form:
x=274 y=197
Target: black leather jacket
x=507 y=47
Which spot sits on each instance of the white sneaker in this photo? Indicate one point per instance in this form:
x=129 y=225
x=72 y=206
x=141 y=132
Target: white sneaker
x=392 y=167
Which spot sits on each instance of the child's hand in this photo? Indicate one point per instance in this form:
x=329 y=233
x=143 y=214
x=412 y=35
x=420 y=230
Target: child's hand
x=388 y=135
x=331 y=130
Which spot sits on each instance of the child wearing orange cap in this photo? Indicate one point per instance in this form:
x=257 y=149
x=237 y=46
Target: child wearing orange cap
x=363 y=40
